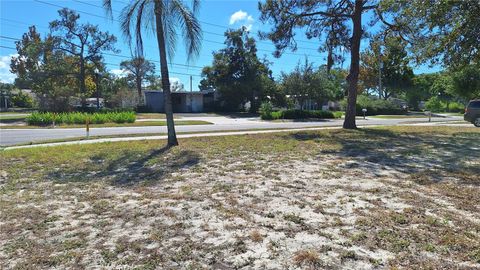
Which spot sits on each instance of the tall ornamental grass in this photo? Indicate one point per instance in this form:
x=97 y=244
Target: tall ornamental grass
x=79 y=118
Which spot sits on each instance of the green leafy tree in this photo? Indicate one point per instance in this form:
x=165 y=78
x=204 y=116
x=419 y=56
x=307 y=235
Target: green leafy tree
x=48 y=72
x=305 y=82
x=164 y=18
x=238 y=74
x=443 y=31
x=22 y=100
x=397 y=75
x=318 y=17
x=83 y=41
x=466 y=82
x=420 y=90
x=443 y=88
x=139 y=69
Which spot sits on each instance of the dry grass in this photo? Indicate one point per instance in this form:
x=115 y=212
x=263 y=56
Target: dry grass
x=256 y=236
x=307 y=258
x=372 y=198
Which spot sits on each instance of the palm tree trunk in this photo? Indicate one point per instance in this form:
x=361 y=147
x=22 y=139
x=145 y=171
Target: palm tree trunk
x=352 y=77
x=167 y=97
x=138 y=82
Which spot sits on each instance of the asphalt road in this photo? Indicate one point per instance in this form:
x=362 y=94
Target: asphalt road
x=22 y=136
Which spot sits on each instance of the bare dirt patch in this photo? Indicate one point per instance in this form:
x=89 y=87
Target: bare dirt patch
x=373 y=198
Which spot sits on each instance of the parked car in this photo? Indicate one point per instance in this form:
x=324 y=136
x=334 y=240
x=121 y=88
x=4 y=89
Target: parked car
x=472 y=112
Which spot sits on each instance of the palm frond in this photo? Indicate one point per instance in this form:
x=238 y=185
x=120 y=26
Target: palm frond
x=170 y=35
x=107 y=5
x=190 y=26
x=131 y=19
x=195 y=6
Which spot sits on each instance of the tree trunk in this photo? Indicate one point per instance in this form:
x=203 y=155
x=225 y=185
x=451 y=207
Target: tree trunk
x=352 y=77
x=329 y=59
x=83 y=91
x=167 y=97
x=138 y=82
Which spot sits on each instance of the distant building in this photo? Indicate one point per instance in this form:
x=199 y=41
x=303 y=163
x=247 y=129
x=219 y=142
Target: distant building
x=182 y=101
x=305 y=103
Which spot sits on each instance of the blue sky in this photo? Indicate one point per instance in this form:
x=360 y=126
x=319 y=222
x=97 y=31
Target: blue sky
x=215 y=16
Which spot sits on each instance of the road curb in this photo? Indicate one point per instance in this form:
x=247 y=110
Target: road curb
x=180 y=136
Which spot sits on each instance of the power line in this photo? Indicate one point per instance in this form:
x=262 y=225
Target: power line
x=6 y=47
x=103 y=17
x=79 y=11
x=203 y=22
x=19 y=22
x=212 y=24
x=210 y=41
x=120 y=55
x=171 y=72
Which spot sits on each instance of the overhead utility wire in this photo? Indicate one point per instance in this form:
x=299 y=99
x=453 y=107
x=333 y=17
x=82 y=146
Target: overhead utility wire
x=99 y=16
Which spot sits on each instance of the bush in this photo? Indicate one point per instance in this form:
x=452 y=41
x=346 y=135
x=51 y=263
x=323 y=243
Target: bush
x=434 y=104
x=375 y=106
x=338 y=114
x=455 y=107
x=266 y=110
x=300 y=114
x=22 y=100
x=47 y=118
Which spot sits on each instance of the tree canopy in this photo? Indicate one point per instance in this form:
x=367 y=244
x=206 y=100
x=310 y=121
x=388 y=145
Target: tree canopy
x=138 y=70
x=386 y=55
x=83 y=41
x=306 y=82
x=237 y=73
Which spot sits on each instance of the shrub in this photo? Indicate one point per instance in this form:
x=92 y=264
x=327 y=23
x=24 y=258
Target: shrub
x=277 y=115
x=338 y=114
x=455 y=107
x=434 y=104
x=266 y=110
x=47 y=118
x=39 y=119
x=300 y=114
x=375 y=106
x=22 y=100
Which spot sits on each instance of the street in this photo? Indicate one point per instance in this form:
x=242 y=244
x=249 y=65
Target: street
x=220 y=123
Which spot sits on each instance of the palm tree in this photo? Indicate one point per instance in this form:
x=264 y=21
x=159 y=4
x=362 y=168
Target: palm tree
x=164 y=18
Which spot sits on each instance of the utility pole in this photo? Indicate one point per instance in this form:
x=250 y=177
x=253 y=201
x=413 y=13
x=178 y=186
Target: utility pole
x=191 y=89
x=380 y=66
x=97 y=88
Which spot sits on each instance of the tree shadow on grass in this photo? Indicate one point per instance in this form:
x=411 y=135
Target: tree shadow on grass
x=131 y=168
x=438 y=154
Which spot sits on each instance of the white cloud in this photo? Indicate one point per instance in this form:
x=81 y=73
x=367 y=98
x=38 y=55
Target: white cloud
x=238 y=16
x=119 y=72
x=5 y=75
x=174 y=79
x=242 y=18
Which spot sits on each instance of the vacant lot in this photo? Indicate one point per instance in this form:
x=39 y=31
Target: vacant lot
x=373 y=198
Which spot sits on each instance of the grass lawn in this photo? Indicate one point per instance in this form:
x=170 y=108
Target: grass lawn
x=12 y=118
x=135 y=124
x=400 y=116
x=403 y=197
x=153 y=116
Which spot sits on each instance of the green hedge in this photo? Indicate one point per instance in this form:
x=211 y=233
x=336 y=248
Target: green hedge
x=375 y=106
x=47 y=118
x=435 y=104
x=299 y=114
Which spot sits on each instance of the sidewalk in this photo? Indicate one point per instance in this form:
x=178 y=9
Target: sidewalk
x=164 y=137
